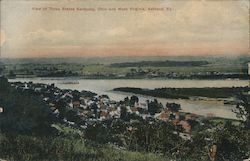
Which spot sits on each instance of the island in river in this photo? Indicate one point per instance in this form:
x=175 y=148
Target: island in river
x=187 y=93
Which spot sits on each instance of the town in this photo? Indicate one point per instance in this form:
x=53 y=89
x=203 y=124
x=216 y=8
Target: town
x=128 y=124
x=81 y=108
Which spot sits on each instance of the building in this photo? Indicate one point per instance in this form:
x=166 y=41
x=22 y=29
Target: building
x=249 y=72
x=1 y=109
x=248 y=68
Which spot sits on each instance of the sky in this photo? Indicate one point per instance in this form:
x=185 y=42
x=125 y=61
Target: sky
x=193 y=27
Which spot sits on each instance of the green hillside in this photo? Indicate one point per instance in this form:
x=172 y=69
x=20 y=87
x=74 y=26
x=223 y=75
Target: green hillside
x=28 y=133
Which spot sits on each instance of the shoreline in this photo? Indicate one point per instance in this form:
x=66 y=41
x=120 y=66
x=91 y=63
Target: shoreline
x=121 y=78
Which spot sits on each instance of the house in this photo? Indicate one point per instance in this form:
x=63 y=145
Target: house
x=76 y=104
x=101 y=105
x=1 y=109
x=46 y=99
x=134 y=110
x=185 y=125
x=249 y=72
x=144 y=106
x=38 y=89
x=185 y=136
x=248 y=68
x=163 y=115
x=67 y=97
x=114 y=113
x=56 y=112
x=177 y=115
x=189 y=116
x=51 y=104
x=104 y=115
x=247 y=159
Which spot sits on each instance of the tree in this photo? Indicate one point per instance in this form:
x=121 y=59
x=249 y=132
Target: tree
x=173 y=107
x=126 y=101
x=11 y=74
x=76 y=95
x=4 y=83
x=154 y=106
x=95 y=107
x=243 y=109
x=232 y=143
x=98 y=132
x=134 y=99
x=71 y=115
x=23 y=112
x=61 y=106
x=123 y=112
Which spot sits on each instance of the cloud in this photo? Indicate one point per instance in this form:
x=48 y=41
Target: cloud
x=42 y=37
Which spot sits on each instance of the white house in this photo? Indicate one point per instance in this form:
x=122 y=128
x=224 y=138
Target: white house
x=249 y=72
x=248 y=68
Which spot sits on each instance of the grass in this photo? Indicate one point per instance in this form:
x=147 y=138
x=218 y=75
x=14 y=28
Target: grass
x=185 y=70
x=30 y=148
x=124 y=155
x=106 y=69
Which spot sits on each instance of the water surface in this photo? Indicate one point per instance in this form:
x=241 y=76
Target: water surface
x=201 y=107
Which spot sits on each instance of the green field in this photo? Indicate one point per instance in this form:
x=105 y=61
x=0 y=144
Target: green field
x=98 y=68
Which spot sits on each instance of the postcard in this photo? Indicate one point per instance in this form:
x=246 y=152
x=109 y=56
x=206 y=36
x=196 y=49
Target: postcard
x=125 y=80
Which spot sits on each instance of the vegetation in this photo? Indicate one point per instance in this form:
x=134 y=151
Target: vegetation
x=29 y=132
x=23 y=112
x=160 y=64
x=127 y=68
x=187 y=93
x=30 y=148
x=242 y=110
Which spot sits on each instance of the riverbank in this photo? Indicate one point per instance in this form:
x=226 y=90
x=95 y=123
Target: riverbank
x=200 y=107
x=150 y=77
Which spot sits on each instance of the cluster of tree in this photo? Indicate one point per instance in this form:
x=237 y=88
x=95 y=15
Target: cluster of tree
x=242 y=109
x=160 y=137
x=186 y=93
x=2 y=68
x=88 y=93
x=166 y=63
x=154 y=93
x=27 y=114
x=154 y=107
x=11 y=74
x=59 y=73
x=145 y=135
x=130 y=101
x=244 y=75
x=22 y=111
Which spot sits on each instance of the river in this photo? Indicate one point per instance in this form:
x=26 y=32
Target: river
x=105 y=86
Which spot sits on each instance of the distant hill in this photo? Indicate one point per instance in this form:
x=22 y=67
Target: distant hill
x=109 y=60
x=166 y=63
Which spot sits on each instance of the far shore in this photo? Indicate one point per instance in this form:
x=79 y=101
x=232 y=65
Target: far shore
x=121 y=78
